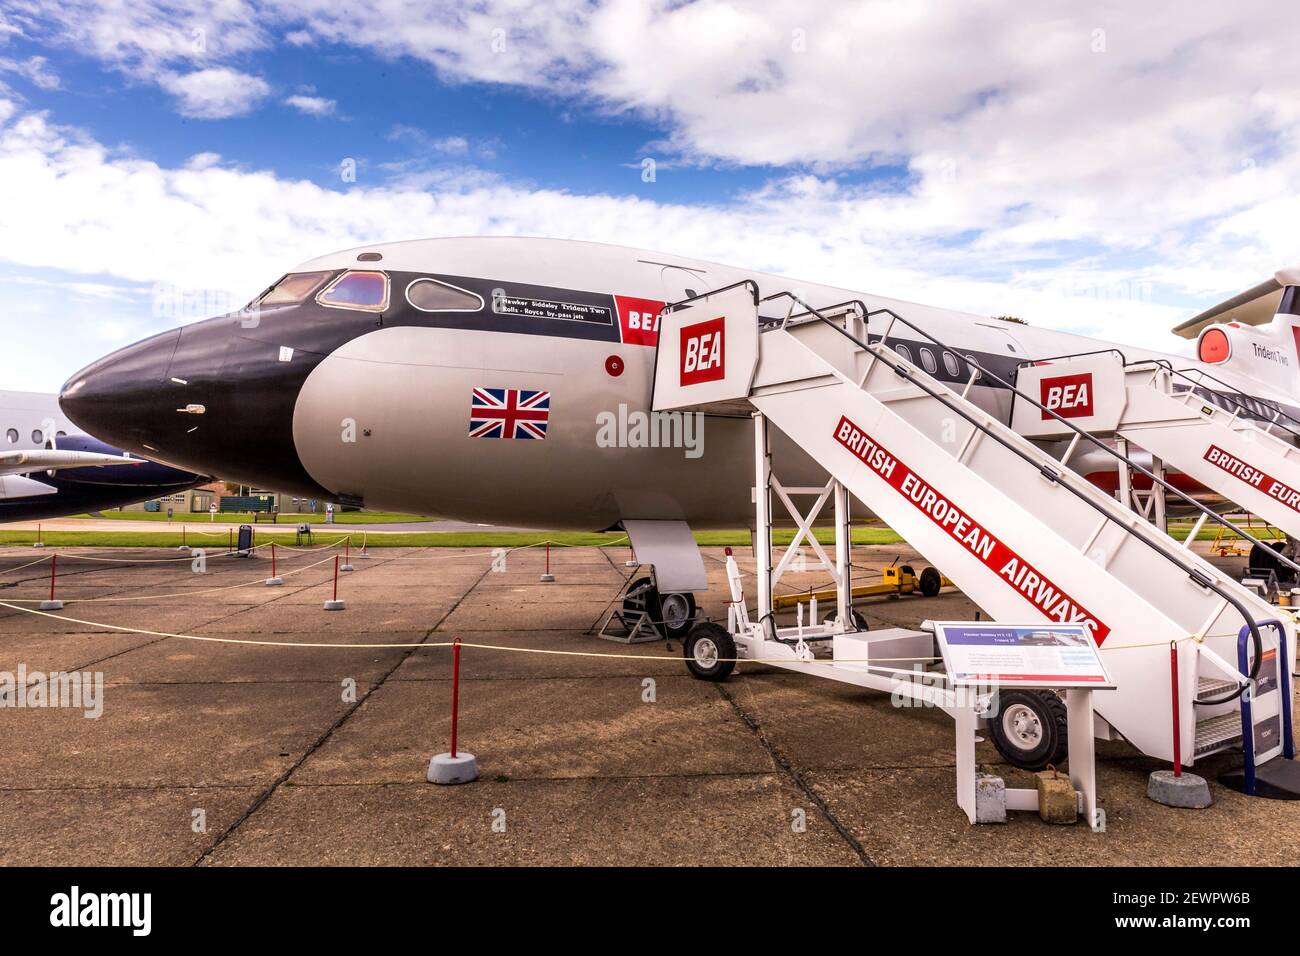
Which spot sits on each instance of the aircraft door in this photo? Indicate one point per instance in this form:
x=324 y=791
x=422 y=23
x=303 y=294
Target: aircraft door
x=681 y=284
x=1005 y=353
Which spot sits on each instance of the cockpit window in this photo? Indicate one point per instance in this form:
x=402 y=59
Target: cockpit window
x=293 y=288
x=430 y=295
x=367 y=291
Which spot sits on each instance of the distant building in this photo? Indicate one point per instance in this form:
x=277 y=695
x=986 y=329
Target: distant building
x=200 y=500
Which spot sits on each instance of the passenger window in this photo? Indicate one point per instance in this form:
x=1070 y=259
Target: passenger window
x=927 y=359
x=951 y=364
x=293 y=288
x=38 y=436
x=367 y=291
x=904 y=351
x=430 y=295
x=12 y=435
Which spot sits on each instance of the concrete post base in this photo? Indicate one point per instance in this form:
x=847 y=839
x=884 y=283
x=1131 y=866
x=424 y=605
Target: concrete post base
x=547 y=577
x=51 y=605
x=1188 y=792
x=445 y=769
x=274 y=582
x=346 y=567
x=990 y=799
x=338 y=605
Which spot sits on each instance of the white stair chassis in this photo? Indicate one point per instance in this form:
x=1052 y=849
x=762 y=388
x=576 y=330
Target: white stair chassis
x=1020 y=533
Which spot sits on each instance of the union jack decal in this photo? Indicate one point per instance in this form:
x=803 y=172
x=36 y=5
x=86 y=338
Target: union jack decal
x=509 y=413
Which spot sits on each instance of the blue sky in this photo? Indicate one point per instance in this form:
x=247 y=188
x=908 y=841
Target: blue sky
x=1082 y=169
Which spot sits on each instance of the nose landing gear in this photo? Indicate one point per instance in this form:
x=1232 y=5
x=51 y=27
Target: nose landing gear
x=671 y=614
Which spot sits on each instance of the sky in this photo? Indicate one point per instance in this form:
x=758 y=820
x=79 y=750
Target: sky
x=1105 y=168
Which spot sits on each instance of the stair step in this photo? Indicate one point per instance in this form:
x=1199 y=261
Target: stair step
x=1217 y=733
x=1210 y=687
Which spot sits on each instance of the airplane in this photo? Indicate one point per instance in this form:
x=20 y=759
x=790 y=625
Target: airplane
x=48 y=469
x=508 y=380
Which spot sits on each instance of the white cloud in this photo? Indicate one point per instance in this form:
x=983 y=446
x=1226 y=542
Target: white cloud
x=215 y=93
x=147 y=37
x=34 y=69
x=203 y=160
x=73 y=204
x=311 y=105
x=1106 y=159
x=1053 y=123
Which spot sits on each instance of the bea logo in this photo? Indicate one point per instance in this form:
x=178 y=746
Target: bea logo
x=704 y=352
x=638 y=319
x=1070 y=396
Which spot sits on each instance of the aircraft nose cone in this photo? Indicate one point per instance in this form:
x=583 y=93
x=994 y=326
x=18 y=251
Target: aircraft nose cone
x=118 y=399
x=214 y=398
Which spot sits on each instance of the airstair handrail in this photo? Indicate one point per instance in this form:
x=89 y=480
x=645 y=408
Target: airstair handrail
x=1167 y=366
x=1193 y=572
x=1082 y=433
x=1284 y=695
x=743 y=283
x=1232 y=395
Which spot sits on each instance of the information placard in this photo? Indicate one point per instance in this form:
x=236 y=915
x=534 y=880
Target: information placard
x=1021 y=655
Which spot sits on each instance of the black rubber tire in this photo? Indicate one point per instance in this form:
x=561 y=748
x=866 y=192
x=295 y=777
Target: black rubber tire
x=859 y=621
x=640 y=601
x=931 y=581
x=1053 y=740
x=649 y=600
x=723 y=652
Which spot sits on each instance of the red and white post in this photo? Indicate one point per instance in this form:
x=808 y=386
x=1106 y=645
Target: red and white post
x=334 y=604
x=53 y=604
x=274 y=581
x=454 y=766
x=1174 y=788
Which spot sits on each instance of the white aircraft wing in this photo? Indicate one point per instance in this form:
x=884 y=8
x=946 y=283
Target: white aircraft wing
x=49 y=459
x=1255 y=306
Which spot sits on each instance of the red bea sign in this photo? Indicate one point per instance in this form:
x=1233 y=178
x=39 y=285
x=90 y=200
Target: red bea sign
x=704 y=357
x=638 y=319
x=1070 y=396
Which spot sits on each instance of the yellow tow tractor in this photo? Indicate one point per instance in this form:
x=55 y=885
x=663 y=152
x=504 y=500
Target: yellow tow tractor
x=896 y=580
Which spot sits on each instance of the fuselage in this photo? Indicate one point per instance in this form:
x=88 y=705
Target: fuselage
x=385 y=388
x=33 y=420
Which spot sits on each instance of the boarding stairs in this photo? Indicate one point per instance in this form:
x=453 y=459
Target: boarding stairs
x=1210 y=434
x=1022 y=535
